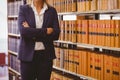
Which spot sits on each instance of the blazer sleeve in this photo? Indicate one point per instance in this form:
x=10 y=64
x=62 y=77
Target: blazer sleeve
x=29 y=32
x=55 y=26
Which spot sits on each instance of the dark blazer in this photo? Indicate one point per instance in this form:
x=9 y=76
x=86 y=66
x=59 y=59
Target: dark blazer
x=30 y=35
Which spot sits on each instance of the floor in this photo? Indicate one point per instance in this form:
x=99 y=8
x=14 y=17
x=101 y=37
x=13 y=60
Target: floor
x=3 y=73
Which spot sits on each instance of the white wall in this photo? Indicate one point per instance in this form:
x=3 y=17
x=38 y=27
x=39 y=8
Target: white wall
x=3 y=36
x=3 y=26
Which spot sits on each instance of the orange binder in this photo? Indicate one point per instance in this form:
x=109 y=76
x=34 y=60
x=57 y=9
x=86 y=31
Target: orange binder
x=80 y=62
x=96 y=31
x=62 y=6
x=69 y=6
x=116 y=67
x=90 y=31
x=80 y=31
x=85 y=29
x=65 y=3
x=88 y=5
x=94 y=35
x=103 y=31
x=62 y=34
x=66 y=30
x=107 y=67
x=84 y=62
x=89 y=63
x=112 y=32
x=74 y=5
x=99 y=4
x=95 y=65
x=76 y=61
x=119 y=68
x=94 y=5
x=92 y=64
x=74 y=27
x=107 y=33
x=83 y=5
x=57 y=51
x=78 y=5
x=65 y=59
x=117 y=33
x=100 y=66
x=71 y=66
x=99 y=37
x=105 y=5
x=118 y=4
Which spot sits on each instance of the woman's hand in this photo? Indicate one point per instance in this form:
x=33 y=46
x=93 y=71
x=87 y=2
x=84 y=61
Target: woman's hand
x=49 y=30
x=25 y=24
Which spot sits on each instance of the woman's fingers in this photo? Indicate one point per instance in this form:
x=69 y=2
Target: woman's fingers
x=25 y=24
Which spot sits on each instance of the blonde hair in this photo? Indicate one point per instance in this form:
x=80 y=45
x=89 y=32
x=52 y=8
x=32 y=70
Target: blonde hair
x=30 y=1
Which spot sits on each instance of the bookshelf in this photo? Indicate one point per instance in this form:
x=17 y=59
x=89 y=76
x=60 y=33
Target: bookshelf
x=97 y=55
x=86 y=46
x=13 y=38
x=13 y=16
x=72 y=73
x=13 y=53
x=67 y=46
x=14 y=35
x=116 y=11
x=14 y=71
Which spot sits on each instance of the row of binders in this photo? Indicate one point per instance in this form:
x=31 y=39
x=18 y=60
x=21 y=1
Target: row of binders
x=101 y=66
x=13 y=7
x=14 y=63
x=95 y=32
x=12 y=26
x=84 y=5
x=56 y=75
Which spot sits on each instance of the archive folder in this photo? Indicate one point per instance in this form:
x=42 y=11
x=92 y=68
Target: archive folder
x=107 y=67
x=76 y=61
x=85 y=31
x=74 y=33
x=94 y=5
x=116 y=67
x=90 y=32
x=74 y=5
x=117 y=33
x=92 y=64
x=83 y=62
x=100 y=66
x=107 y=33
x=70 y=61
x=112 y=33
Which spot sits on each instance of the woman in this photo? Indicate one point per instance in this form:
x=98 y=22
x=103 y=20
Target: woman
x=39 y=27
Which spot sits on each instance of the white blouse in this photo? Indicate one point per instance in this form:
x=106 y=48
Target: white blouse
x=39 y=22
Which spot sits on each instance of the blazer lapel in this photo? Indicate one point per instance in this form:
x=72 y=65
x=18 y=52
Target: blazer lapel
x=45 y=19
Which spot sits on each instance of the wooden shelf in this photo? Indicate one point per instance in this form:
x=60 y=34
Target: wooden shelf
x=14 y=35
x=100 y=47
x=72 y=73
x=13 y=16
x=92 y=12
x=13 y=53
x=14 y=71
x=89 y=46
